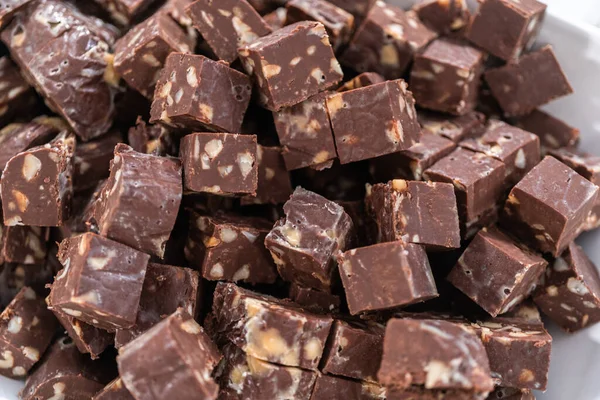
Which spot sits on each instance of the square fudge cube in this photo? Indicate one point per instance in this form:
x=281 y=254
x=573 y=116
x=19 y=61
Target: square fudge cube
x=496 y=273
x=549 y=206
x=274 y=185
x=506 y=28
x=184 y=97
x=404 y=210
x=306 y=67
x=534 y=81
x=386 y=275
x=570 y=291
x=175 y=349
x=444 y=16
x=455 y=128
x=446 y=76
x=141 y=53
x=87 y=260
x=25 y=244
x=360 y=81
x=305 y=243
x=305 y=133
x=314 y=300
x=226 y=25
x=221 y=163
x=373 y=121
x=553 y=132
x=331 y=387
x=123 y=12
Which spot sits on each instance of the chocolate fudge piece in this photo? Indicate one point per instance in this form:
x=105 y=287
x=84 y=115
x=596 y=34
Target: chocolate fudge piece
x=404 y=210
x=549 y=206
x=115 y=390
x=141 y=53
x=276 y=18
x=361 y=80
x=184 y=95
x=269 y=329
x=24 y=244
x=358 y=8
x=314 y=300
x=13 y=277
x=88 y=259
x=175 y=350
x=386 y=275
x=274 y=186
x=496 y=273
x=455 y=128
x=506 y=28
x=26 y=330
x=387 y=41
x=373 y=121
x=155 y=139
x=221 y=163
x=37 y=186
x=305 y=133
x=505 y=393
x=445 y=77
x=226 y=25
x=437 y=354
x=140 y=200
x=17 y=97
x=443 y=16
x=304 y=243
x=553 y=132
x=336 y=388
x=535 y=80
x=570 y=292
x=92 y=159
x=16 y=138
x=123 y=12
x=305 y=68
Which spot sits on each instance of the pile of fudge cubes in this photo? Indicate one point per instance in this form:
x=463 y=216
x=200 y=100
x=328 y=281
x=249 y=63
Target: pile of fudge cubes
x=271 y=199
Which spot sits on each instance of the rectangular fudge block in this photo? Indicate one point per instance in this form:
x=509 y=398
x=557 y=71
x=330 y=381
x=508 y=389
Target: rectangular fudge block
x=443 y=16
x=274 y=185
x=337 y=388
x=455 y=128
x=553 y=132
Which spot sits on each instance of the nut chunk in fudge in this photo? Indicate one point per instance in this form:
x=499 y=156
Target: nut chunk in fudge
x=139 y=203
x=436 y=354
x=386 y=275
x=443 y=16
x=220 y=163
x=373 y=121
x=270 y=329
x=184 y=97
x=226 y=25
x=446 y=76
x=417 y=212
x=549 y=206
x=26 y=330
x=291 y=64
x=37 y=184
x=305 y=243
x=570 y=294
x=495 y=272
x=176 y=350
x=101 y=282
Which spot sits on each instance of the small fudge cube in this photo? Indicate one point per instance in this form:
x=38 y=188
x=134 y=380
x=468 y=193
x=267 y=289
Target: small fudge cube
x=570 y=294
x=535 y=80
x=274 y=186
x=286 y=78
x=455 y=128
x=16 y=138
x=226 y=25
x=25 y=244
x=175 y=350
x=115 y=390
x=314 y=300
x=26 y=330
x=184 y=95
x=17 y=97
x=446 y=76
x=506 y=28
x=304 y=243
x=87 y=260
x=123 y=12
x=361 y=80
x=436 y=354
x=305 y=133
x=141 y=53
x=269 y=329
x=37 y=184
x=404 y=210
x=549 y=206
x=373 y=121
x=221 y=163
x=553 y=132
x=140 y=200
x=386 y=275
x=496 y=273
x=91 y=161
x=443 y=16
x=333 y=387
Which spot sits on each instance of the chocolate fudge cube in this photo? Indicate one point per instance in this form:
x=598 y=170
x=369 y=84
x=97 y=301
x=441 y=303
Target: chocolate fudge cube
x=334 y=387
x=88 y=259
x=14 y=277
x=176 y=349
x=24 y=244
x=443 y=16
x=535 y=80
x=115 y=390
x=553 y=132
x=16 y=138
x=373 y=121
x=123 y=12
x=305 y=243
x=446 y=76
x=361 y=80
x=274 y=186
x=455 y=128
x=314 y=300
x=221 y=163
x=387 y=41
x=17 y=97
x=506 y=28
x=305 y=133
x=305 y=68
x=570 y=293
x=549 y=206
x=184 y=95
x=91 y=161
x=496 y=273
